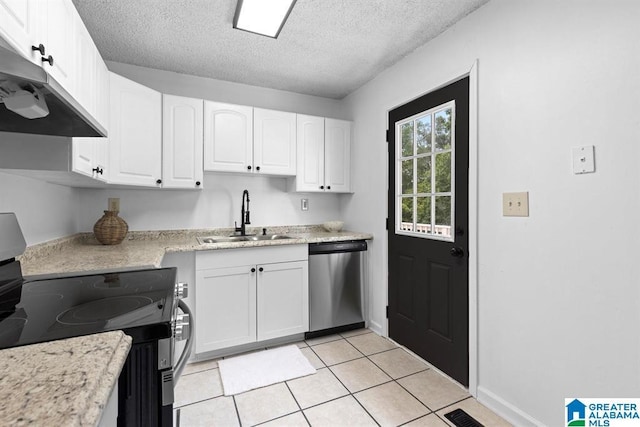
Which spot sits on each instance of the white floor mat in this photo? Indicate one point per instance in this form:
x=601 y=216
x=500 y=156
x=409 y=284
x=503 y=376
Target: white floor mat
x=254 y=370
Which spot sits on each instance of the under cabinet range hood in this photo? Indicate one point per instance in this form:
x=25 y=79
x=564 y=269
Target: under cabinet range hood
x=31 y=101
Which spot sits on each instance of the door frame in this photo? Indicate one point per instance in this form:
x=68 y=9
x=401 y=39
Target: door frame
x=472 y=73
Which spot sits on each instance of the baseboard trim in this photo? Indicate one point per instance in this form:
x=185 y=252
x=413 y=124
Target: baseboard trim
x=376 y=327
x=506 y=410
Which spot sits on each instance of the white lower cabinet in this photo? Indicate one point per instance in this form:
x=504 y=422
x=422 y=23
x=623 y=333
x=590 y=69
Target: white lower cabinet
x=249 y=295
x=226 y=307
x=283 y=299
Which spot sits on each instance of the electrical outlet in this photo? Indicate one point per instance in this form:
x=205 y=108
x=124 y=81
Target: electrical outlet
x=304 y=204
x=114 y=204
x=515 y=204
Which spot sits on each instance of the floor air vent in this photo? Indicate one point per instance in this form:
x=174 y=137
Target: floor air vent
x=462 y=419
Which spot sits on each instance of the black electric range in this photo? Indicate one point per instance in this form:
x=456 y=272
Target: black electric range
x=145 y=304
x=47 y=308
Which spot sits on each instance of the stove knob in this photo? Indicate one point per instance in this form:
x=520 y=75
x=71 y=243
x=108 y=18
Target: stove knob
x=182 y=327
x=182 y=290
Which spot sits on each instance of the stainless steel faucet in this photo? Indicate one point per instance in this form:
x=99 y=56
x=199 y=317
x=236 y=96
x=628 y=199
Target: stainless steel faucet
x=244 y=215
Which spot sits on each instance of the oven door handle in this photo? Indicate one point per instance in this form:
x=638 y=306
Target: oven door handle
x=182 y=360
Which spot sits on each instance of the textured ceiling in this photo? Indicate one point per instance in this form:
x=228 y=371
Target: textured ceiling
x=327 y=48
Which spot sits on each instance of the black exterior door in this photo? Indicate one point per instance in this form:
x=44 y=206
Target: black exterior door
x=428 y=218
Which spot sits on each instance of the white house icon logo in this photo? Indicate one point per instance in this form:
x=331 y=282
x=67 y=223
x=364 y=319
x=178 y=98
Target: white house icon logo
x=576 y=413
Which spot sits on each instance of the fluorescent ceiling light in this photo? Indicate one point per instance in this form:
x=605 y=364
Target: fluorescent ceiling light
x=266 y=17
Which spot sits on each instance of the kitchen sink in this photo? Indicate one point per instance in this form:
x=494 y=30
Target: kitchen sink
x=226 y=239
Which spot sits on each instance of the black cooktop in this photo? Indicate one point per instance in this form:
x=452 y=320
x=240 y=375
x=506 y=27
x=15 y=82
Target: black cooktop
x=47 y=308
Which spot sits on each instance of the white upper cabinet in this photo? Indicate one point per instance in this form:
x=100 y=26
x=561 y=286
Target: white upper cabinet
x=274 y=142
x=59 y=39
x=86 y=69
x=228 y=136
x=135 y=133
x=18 y=25
x=337 y=155
x=83 y=158
x=324 y=152
x=182 y=138
x=310 y=176
x=102 y=96
x=251 y=140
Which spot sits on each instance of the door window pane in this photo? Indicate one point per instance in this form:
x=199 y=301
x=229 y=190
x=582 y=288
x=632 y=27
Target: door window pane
x=423 y=135
x=443 y=172
x=443 y=216
x=407 y=139
x=407 y=213
x=423 y=223
x=424 y=173
x=443 y=129
x=407 y=177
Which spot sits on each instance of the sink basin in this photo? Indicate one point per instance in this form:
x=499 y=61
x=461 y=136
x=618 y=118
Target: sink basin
x=225 y=239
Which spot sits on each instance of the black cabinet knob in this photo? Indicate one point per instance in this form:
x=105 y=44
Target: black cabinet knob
x=249 y=167
x=257 y=168
x=39 y=48
x=253 y=270
x=98 y=170
x=322 y=187
x=158 y=181
x=48 y=59
x=328 y=187
x=197 y=183
x=261 y=269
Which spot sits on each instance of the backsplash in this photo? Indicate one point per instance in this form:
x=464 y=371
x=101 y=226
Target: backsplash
x=216 y=205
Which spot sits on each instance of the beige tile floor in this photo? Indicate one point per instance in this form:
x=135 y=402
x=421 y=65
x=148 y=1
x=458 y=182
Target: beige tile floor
x=362 y=379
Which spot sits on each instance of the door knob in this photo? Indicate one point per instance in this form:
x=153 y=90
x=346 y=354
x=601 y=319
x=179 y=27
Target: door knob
x=457 y=252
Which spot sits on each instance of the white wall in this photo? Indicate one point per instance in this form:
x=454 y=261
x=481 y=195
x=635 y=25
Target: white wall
x=234 y=93
x=45 y=211
x=218 y=204
x=559 y=299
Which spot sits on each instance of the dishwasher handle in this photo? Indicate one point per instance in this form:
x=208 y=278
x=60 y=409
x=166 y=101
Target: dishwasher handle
x=337 y=247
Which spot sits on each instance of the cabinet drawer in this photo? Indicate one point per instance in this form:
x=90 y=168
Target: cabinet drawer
x=244 y=256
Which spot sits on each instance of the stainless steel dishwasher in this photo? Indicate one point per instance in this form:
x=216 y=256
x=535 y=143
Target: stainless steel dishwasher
x=336 y=287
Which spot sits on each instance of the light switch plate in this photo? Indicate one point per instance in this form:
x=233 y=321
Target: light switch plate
x=515 y=204
x=583 y=159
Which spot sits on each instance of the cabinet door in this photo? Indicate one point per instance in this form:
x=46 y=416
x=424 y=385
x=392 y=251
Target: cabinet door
x=283 y=299
x=182 y=138
x=102 y=92
x=86 y=68
x=337 y=155
x=60 y=42
x=310 y=164
x=274 y=142
x=83 y=155
x=135 y=133
x=228 y=137
x=18 y=26
x=226 y=307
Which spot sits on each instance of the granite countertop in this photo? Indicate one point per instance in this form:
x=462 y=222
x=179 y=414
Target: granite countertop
x=61 y=383
x=140 y=249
